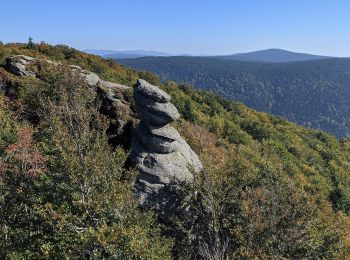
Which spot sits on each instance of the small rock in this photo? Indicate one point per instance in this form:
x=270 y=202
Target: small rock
x=111 y=85
x=164 y=131
x=152 y=92
x=155 y=143
x=90 y=78
x=75 y=67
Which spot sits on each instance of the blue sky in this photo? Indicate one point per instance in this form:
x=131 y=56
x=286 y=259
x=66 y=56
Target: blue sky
x=182 y=26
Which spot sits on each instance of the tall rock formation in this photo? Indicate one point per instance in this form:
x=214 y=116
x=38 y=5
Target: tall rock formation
x=163 y=158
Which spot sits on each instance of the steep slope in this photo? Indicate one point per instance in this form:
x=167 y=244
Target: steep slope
x=312 y=93
x=269 y=188
x=229 y=120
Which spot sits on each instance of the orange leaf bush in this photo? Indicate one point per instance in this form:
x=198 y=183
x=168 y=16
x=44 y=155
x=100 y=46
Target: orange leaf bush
x=23 y=158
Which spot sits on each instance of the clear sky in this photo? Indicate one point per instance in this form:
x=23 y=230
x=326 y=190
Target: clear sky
x=182 y=26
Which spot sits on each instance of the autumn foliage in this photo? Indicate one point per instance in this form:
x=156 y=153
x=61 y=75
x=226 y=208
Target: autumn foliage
x=270 y=189
x=22 y=156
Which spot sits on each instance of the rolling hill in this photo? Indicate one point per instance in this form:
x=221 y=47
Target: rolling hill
x=267 y=56
x=272 y=55
x=314 y=93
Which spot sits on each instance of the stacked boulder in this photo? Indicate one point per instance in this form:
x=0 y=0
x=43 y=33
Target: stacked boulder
x=163 y=158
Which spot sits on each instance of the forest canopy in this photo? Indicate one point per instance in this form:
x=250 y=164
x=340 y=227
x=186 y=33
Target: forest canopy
x=269 y=188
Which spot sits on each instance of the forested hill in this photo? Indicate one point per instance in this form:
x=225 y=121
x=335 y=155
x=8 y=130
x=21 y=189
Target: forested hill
x=272 y=56
x=269 y=189
x=315 y=94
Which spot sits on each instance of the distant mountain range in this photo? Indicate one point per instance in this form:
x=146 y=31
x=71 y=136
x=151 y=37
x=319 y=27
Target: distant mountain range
x=314 y=93
x=268 y=56
x=126 y=54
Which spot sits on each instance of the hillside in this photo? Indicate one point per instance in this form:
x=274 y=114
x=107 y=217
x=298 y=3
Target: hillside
x=272 y=56
x=269 y=188
x=311 y=93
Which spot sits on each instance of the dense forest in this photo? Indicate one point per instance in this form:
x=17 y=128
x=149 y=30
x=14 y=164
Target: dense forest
x=269 y=189
x=272 y=56
x=311 y=93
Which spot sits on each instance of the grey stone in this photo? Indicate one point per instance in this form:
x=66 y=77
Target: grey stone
x=75 y=68
x=26 y=58
x=90 y=78
x=166 y=131
x=18 y=65
x=164 y=167
x=191 y=157
x=110 y=97
x=156 y=143
x=164 y=160
x=111 y=85
x=152 y=92
x=154 y=113
x=158 y=175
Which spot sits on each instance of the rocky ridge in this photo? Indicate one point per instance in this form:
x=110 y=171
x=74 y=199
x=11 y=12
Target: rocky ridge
x=21 y=65
x=113 y=96
x=163 y=158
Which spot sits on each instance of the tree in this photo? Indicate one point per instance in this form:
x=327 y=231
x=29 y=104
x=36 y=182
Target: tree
x=23 y=159
x=188 y=112
x=22 y=166
x=238 y=209
x=99 y=216
x=31 y=45
x=77 y=201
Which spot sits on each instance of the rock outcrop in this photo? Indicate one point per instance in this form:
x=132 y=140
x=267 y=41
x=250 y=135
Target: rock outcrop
x=19 y=65
x=113 y=96
x=22 y=65
x=163 y=158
